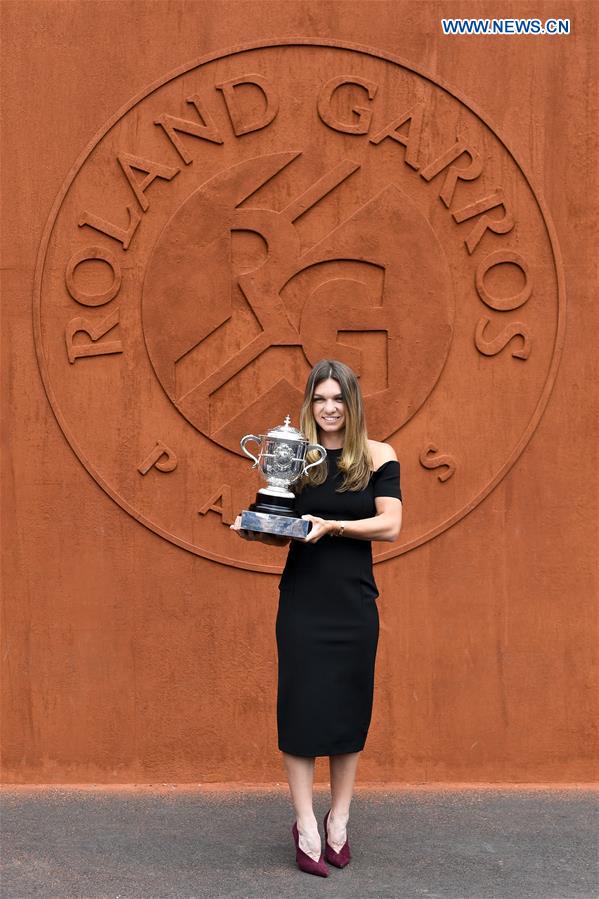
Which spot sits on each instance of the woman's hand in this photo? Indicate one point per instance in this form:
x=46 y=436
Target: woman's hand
x=320 y=527
x=272 y=539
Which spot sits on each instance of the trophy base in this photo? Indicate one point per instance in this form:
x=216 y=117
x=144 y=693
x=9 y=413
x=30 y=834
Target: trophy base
x=281 y=525
x=274 y=504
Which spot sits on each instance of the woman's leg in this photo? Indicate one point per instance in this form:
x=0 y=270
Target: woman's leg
x=300 y=775
x=343 y=775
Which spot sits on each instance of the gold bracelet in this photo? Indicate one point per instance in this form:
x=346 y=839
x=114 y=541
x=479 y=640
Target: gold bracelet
x=341 y=529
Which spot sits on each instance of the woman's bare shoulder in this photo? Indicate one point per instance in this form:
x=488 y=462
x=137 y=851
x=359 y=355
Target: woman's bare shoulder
x=381 y=453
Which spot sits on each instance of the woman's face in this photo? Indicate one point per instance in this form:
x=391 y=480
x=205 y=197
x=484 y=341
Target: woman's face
x=328 y=407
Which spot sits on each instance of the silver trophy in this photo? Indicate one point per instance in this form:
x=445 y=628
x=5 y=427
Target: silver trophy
x=281 y=460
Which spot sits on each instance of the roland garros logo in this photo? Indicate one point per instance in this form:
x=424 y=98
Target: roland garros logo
x=268 y=207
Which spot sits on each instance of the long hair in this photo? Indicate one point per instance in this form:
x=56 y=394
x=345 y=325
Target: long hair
x=355 y=461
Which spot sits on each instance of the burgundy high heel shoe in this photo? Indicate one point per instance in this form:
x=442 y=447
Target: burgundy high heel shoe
x=339 y=859
x=304 y=861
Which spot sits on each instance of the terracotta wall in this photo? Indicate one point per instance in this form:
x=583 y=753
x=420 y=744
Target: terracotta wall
x=186 y=231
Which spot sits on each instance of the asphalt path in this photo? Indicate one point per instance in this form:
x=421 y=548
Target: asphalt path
x=171 y=841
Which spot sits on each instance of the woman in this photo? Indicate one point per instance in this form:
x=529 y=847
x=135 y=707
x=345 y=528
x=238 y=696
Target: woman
x=327 y=623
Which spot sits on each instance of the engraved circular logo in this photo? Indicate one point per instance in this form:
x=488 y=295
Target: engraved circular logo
x=268 y=207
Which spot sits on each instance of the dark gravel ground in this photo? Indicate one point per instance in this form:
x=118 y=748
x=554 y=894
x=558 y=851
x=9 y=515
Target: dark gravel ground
x=138 y=842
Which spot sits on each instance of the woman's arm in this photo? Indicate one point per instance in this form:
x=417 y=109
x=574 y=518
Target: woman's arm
x=385 y=525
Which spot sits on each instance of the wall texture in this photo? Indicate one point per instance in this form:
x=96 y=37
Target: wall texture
x=200 y=201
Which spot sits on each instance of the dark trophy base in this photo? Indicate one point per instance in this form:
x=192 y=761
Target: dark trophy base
x=275 y=515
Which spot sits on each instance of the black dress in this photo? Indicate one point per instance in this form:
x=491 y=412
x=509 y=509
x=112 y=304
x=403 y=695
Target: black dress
x=327 y=624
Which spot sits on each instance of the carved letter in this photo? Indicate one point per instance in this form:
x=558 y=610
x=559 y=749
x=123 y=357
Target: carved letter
x=498 y=226
x=121 y=234
x=206 y=131
x=153 y=170
x=503 y=304
x=154 y=459
x=469 y=173
x=95 y=331
x=429 y=459
x=93 y=299
x=224 y=509
x=228 y=91
x=411 y=140
x=364 y=113
x=497 y=344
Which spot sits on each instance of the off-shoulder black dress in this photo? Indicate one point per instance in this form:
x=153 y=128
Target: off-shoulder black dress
x=327 y=624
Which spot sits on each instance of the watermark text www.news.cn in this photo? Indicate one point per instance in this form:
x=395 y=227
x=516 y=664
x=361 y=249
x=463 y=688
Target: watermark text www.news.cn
x=506 y=26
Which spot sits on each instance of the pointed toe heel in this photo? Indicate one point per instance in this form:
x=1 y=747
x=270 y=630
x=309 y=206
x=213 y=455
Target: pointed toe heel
x=305 y=862
x=339 y=859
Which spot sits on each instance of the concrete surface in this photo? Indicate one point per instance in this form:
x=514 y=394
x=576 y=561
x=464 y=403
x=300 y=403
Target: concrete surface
x=406 y=843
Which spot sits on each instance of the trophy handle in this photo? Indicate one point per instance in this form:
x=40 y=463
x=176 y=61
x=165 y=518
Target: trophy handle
x=323 y=455
x=247 y=439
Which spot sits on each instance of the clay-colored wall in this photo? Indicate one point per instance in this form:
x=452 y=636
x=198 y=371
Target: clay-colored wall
x=138 y=631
